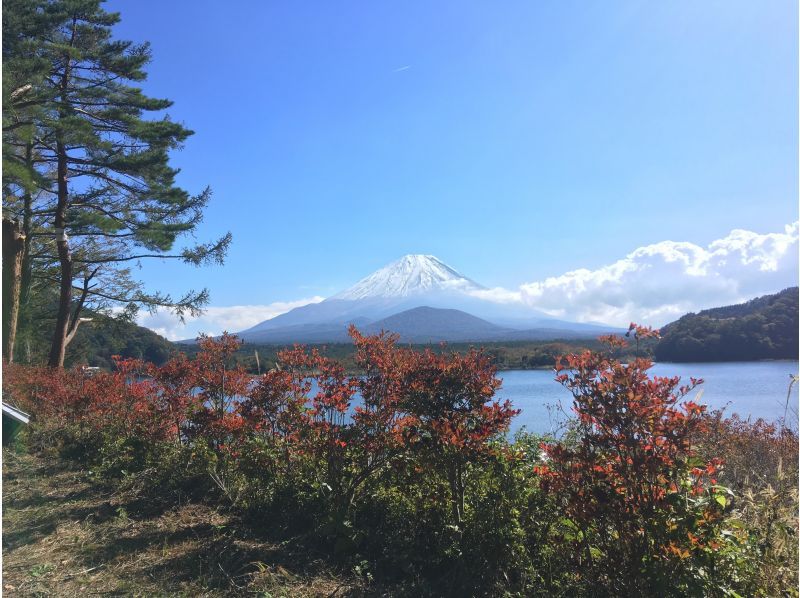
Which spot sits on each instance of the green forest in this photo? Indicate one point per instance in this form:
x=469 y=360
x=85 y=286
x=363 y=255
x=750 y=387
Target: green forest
x=763 y=328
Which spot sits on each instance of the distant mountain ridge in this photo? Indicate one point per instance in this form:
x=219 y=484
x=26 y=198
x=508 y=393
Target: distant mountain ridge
x=762 y=328
x=392 y=298
x=416 y=325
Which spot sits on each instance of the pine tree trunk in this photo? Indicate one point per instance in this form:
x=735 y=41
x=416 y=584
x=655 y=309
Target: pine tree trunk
x=13 y=253
x=59 y=345
x=24 y=319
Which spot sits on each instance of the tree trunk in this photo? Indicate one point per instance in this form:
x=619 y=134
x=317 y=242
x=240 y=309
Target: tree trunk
x=59 y=345
x=24 y=320
x=13 y=253
x=456 y=479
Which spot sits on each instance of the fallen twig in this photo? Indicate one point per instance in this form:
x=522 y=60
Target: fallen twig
x=71 y=575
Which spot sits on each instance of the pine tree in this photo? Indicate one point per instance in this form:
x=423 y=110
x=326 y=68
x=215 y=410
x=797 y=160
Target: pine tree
x=105 y=192
x=25 y=25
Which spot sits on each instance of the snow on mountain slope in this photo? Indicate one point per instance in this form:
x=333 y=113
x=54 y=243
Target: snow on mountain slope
x=410 y=275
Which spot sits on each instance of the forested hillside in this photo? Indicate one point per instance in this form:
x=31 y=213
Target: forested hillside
x=763 y=328
x=94 y=344
x=96 y=340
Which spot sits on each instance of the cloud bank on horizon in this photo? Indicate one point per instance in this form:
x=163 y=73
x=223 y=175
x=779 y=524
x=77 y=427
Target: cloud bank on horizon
x=216 y=320
x=658 y=283
x=652 y=285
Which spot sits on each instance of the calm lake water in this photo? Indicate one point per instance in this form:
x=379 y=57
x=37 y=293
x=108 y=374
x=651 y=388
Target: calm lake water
x=751 y=389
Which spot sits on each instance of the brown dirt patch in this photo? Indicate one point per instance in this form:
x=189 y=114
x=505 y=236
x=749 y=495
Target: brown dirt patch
x=64 y=535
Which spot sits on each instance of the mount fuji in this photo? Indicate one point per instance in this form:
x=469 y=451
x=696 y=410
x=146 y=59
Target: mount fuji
x=411 y=275
x=422 y=299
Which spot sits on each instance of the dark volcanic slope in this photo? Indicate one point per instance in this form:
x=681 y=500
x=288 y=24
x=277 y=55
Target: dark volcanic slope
x=430 y=324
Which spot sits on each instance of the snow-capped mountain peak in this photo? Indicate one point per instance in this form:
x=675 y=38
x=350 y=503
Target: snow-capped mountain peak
x=412 y=274
x=420 y=297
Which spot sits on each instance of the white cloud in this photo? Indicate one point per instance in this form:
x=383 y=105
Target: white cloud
x=497 y=295
x=215 y=320
x=657 y=283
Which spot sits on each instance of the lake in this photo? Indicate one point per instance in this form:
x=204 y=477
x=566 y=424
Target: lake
x=751 y=389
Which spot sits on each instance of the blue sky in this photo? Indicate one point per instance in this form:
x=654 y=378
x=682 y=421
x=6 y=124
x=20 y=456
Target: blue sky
x=515 y=141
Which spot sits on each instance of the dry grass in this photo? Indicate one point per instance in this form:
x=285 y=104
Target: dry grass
x=65 y=536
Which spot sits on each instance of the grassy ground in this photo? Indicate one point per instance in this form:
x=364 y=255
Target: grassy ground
x=67 y=536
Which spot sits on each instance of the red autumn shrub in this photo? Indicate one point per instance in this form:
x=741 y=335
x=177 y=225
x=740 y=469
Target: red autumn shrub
x=174 y=396
x=22 y=385
x=380 y=418
x=109 y=417
x=217 y=391
x=372 y=438
x=754 y=451
x=278 y=398
x=274 y=412
x=635 y=497
x=125 y=402
x=450 y=420
x=434 y=408
x=345 y=447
